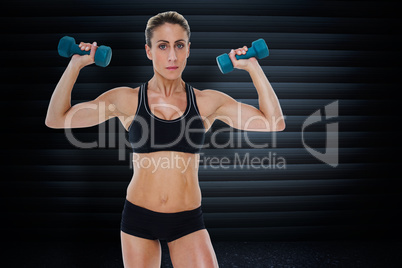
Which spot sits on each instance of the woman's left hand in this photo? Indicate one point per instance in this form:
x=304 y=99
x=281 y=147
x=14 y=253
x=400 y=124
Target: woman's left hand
x=243 y=64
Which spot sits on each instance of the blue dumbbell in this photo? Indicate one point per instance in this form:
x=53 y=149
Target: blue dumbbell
x=67 y=47
x=258 y=49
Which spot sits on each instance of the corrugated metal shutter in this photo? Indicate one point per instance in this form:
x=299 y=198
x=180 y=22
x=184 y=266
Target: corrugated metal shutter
x=342 y=53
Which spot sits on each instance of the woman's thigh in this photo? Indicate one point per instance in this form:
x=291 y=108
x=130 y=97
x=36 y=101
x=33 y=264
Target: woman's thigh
x=193 y=250
x=140 y=252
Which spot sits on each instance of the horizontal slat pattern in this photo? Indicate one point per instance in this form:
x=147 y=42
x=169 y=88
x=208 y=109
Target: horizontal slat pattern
x=308 y=8
x=320 y=52
x=204 y=23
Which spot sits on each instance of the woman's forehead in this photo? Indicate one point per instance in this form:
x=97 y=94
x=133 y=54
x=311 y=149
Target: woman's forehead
x=169 y=32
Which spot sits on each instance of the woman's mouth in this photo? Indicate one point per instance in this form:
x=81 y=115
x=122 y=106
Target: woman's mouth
x=172 y=67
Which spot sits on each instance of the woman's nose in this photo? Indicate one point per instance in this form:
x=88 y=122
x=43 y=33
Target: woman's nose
x=172 y=55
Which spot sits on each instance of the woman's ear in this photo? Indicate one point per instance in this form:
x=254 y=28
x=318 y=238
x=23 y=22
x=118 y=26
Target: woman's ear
x=188 y=52
x=148 y=51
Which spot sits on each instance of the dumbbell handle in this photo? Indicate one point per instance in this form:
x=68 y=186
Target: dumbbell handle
x=75 y=49
x=249 y=54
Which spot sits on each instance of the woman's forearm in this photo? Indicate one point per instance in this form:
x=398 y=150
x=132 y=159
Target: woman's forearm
x=268 y=102
x=60 y=102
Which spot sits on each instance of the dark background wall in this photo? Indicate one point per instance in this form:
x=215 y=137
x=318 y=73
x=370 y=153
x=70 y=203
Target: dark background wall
x=321 y=52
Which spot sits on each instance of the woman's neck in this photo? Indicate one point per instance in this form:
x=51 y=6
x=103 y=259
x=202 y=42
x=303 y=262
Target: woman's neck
x=166 y=87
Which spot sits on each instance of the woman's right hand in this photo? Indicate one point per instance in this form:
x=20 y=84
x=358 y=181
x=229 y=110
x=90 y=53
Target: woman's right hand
x=84 y=60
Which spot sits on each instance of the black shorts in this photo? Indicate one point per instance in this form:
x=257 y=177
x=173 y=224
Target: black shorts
x=145 y=223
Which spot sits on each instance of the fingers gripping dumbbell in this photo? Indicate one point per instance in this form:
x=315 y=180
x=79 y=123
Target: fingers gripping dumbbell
x=67 y=47
x=258 y=49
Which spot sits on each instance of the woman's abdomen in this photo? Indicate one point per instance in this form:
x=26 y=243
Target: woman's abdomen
x=165 y=182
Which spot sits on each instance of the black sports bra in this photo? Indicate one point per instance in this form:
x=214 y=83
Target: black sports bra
x=149 y=133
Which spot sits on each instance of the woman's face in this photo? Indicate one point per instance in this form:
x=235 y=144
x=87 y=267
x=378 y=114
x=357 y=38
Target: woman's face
x=170 y=50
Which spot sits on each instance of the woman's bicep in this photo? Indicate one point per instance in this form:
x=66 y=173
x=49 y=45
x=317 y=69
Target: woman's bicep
x=85 y=114
x=91 y=113
x=240 y=115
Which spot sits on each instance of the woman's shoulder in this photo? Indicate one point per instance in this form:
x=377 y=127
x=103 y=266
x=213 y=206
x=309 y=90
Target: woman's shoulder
x=209 y=100
x=125 y=90
x=124 y=97
x=209 y=94
x=124 y=93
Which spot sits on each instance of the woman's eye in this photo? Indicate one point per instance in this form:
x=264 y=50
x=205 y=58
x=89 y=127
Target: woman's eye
x=180 y=45
x=162 y=46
